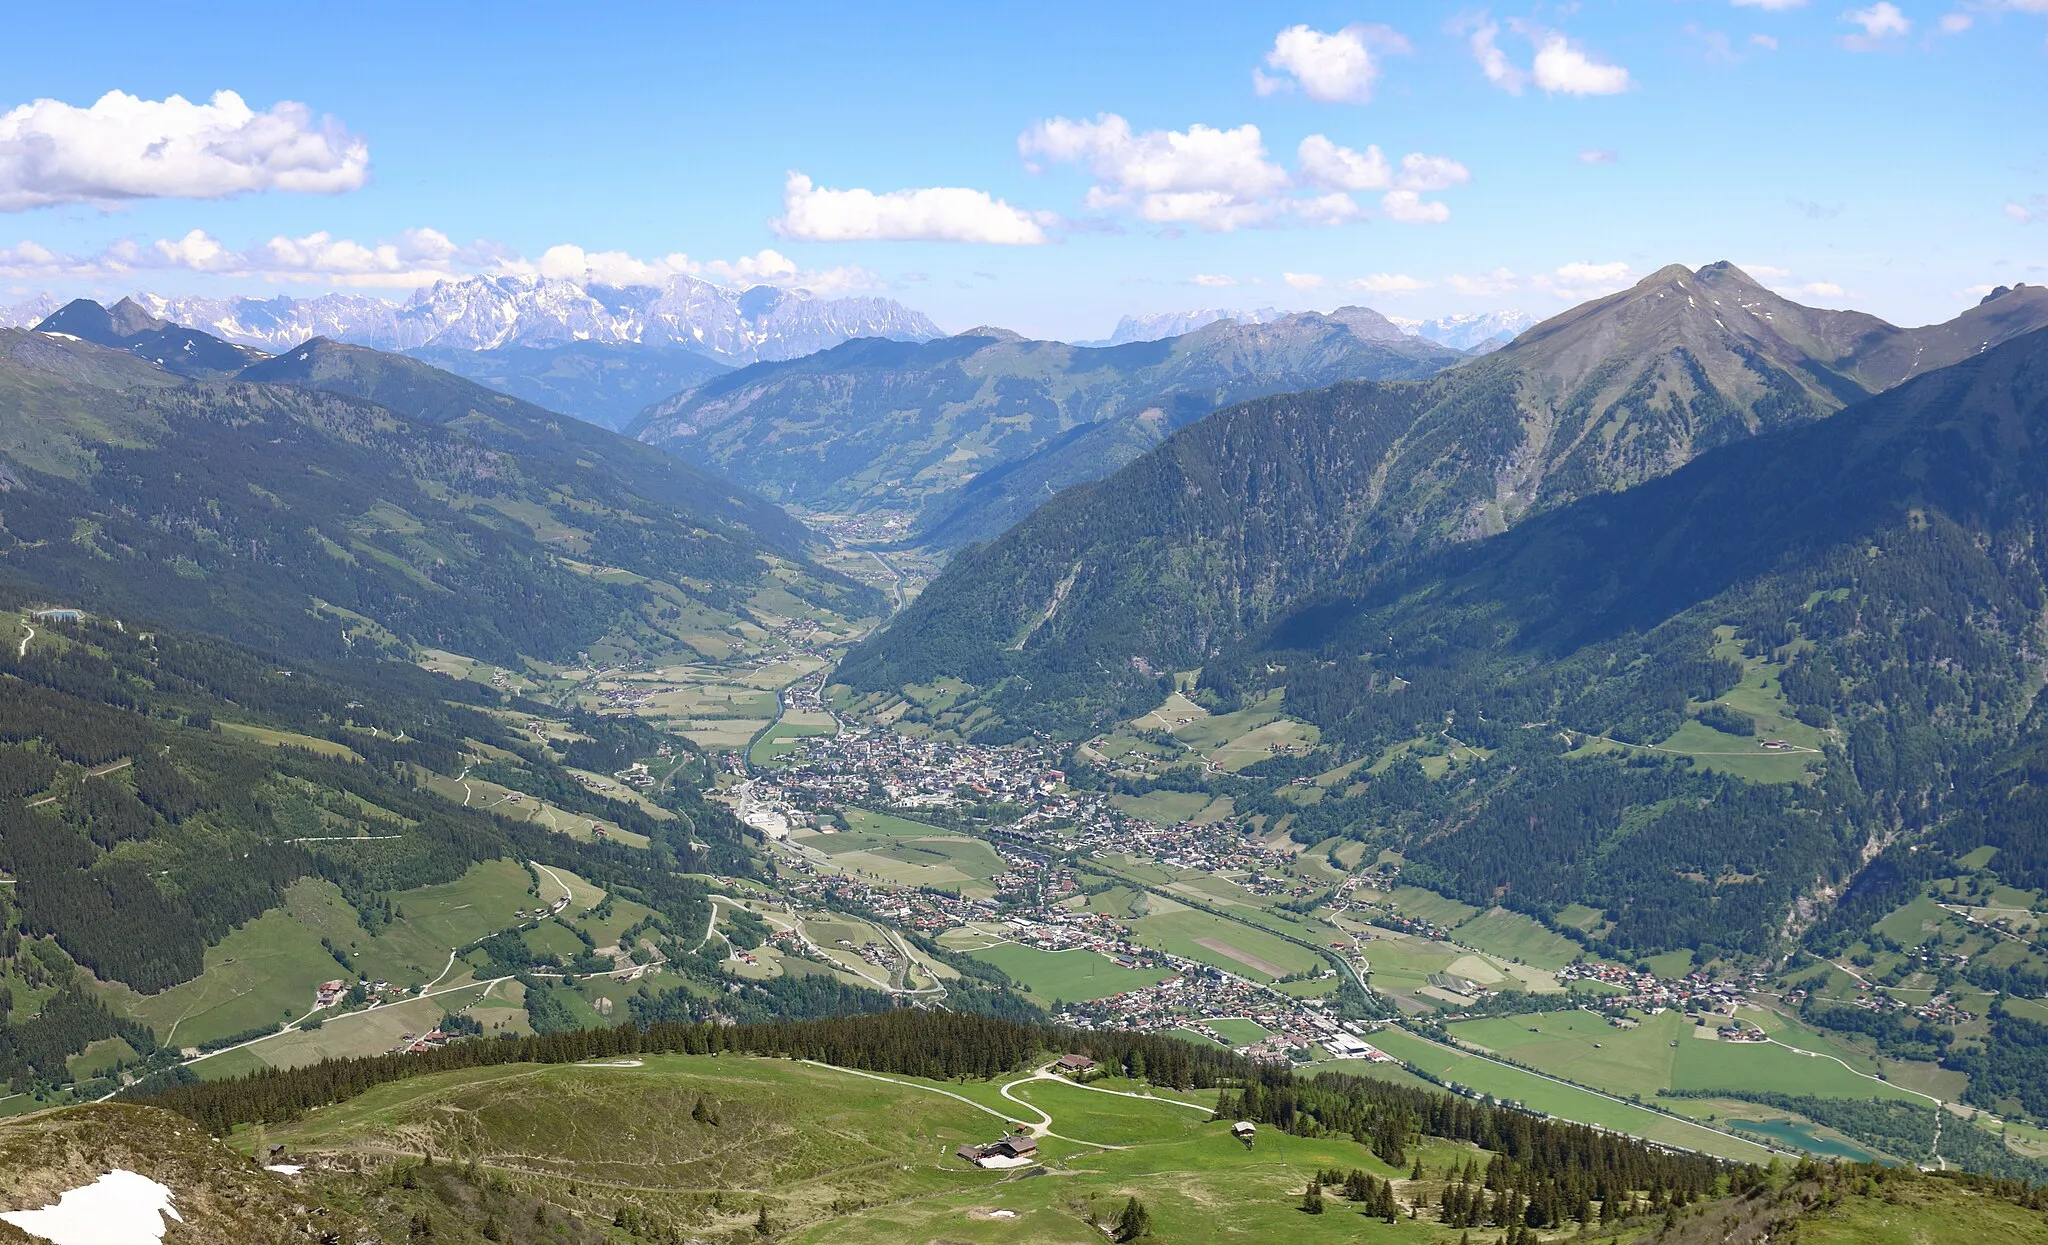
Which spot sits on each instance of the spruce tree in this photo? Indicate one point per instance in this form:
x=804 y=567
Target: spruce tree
x=1312 y=1197
x=1135 y=1224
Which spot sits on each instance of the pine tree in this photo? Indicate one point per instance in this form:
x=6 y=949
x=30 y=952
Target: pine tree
x=1135 y=1223
x=1312 y=1198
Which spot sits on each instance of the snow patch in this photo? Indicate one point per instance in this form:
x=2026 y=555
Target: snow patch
x=120 y=1208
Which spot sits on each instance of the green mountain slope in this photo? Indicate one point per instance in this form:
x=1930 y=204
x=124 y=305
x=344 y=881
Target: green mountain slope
x=1878 y=570
x=502 y=422
x=971 y=432
x=1066 y=621
x=605 y=383
x=312 y=522
x=702 y=1135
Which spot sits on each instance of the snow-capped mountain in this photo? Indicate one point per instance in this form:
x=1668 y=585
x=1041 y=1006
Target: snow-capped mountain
x=485 y=313
x=30 y=313
x=1480 y=331
x=1160 y=324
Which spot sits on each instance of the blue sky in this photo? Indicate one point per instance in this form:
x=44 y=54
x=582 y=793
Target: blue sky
x=1039 y=167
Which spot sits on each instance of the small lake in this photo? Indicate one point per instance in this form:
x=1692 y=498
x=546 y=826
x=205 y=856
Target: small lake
x=1800 y=1136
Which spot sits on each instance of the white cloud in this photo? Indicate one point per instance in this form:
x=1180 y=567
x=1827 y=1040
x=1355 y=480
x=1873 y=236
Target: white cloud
x=1324 y=163
x=1486 y=284
x=1409 y=208
x=1774 y=6
x=1882 y=23
x=933 y=214
x=1493 y=62
x=1420 y=172
x=1217 y=180
x=1337 y=68
x=1326 y=210
x=125 y=148
x=1599 y=155
x=2019 y=212
x=415 y=258
x=1212 y=280
x=1221 y=180
x=1573 y=282
x=1768 y=43
x=1766 y=272
x=1583 y=280
x=1810 y=289
x=1392 y=284
x=1956 y=23
x=1560 y=67
x=1303 y=280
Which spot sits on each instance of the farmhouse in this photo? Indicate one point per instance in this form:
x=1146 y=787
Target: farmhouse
x=1014 y=1150
x=1076 y=1065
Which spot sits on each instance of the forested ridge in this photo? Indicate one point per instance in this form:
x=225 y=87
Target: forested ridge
x=973 y=431
x=127 y=872
x=317 y=523
x=1259 y=509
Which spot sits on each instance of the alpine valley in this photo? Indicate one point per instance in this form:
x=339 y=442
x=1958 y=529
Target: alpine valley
x=552 y=762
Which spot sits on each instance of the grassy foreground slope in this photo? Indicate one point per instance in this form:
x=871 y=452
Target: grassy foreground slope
x=731 y=1147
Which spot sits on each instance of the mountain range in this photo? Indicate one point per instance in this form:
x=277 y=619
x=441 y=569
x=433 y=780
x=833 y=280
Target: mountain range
x=1230 y=523
x=337 y=497
x=487 y=312
x=1477 y=332
x=1465 y=331
x=969 y=433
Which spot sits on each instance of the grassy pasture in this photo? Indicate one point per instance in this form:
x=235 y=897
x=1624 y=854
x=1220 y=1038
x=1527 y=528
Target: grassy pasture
x=1663 y=1052
x=1491 y=1077
x=288 y=739
x=1075 y=976
x=1512 y=936
x=1226 y=944
x=801 y=1139
x=1240 y=1032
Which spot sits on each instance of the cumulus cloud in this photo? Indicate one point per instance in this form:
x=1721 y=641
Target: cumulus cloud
x=1598 y=155
x=1324 y=163
x=1337 y=68
x=1560 y=67
x=1212 y=280
x=1217 y=180
x=1303 y=280
x=414 y=258
x=124 y=148
x=934 y=214
x=1221 y=180
x=1774 y=6
x=2027 y=215
x=1326 y=210
x=1882 y=25
x=1573 y=282
x=1486 y=284
x=1493 y=62
x=1410 y=208
x=1391 y=284
x=1956 y=23
x=1420 y=172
